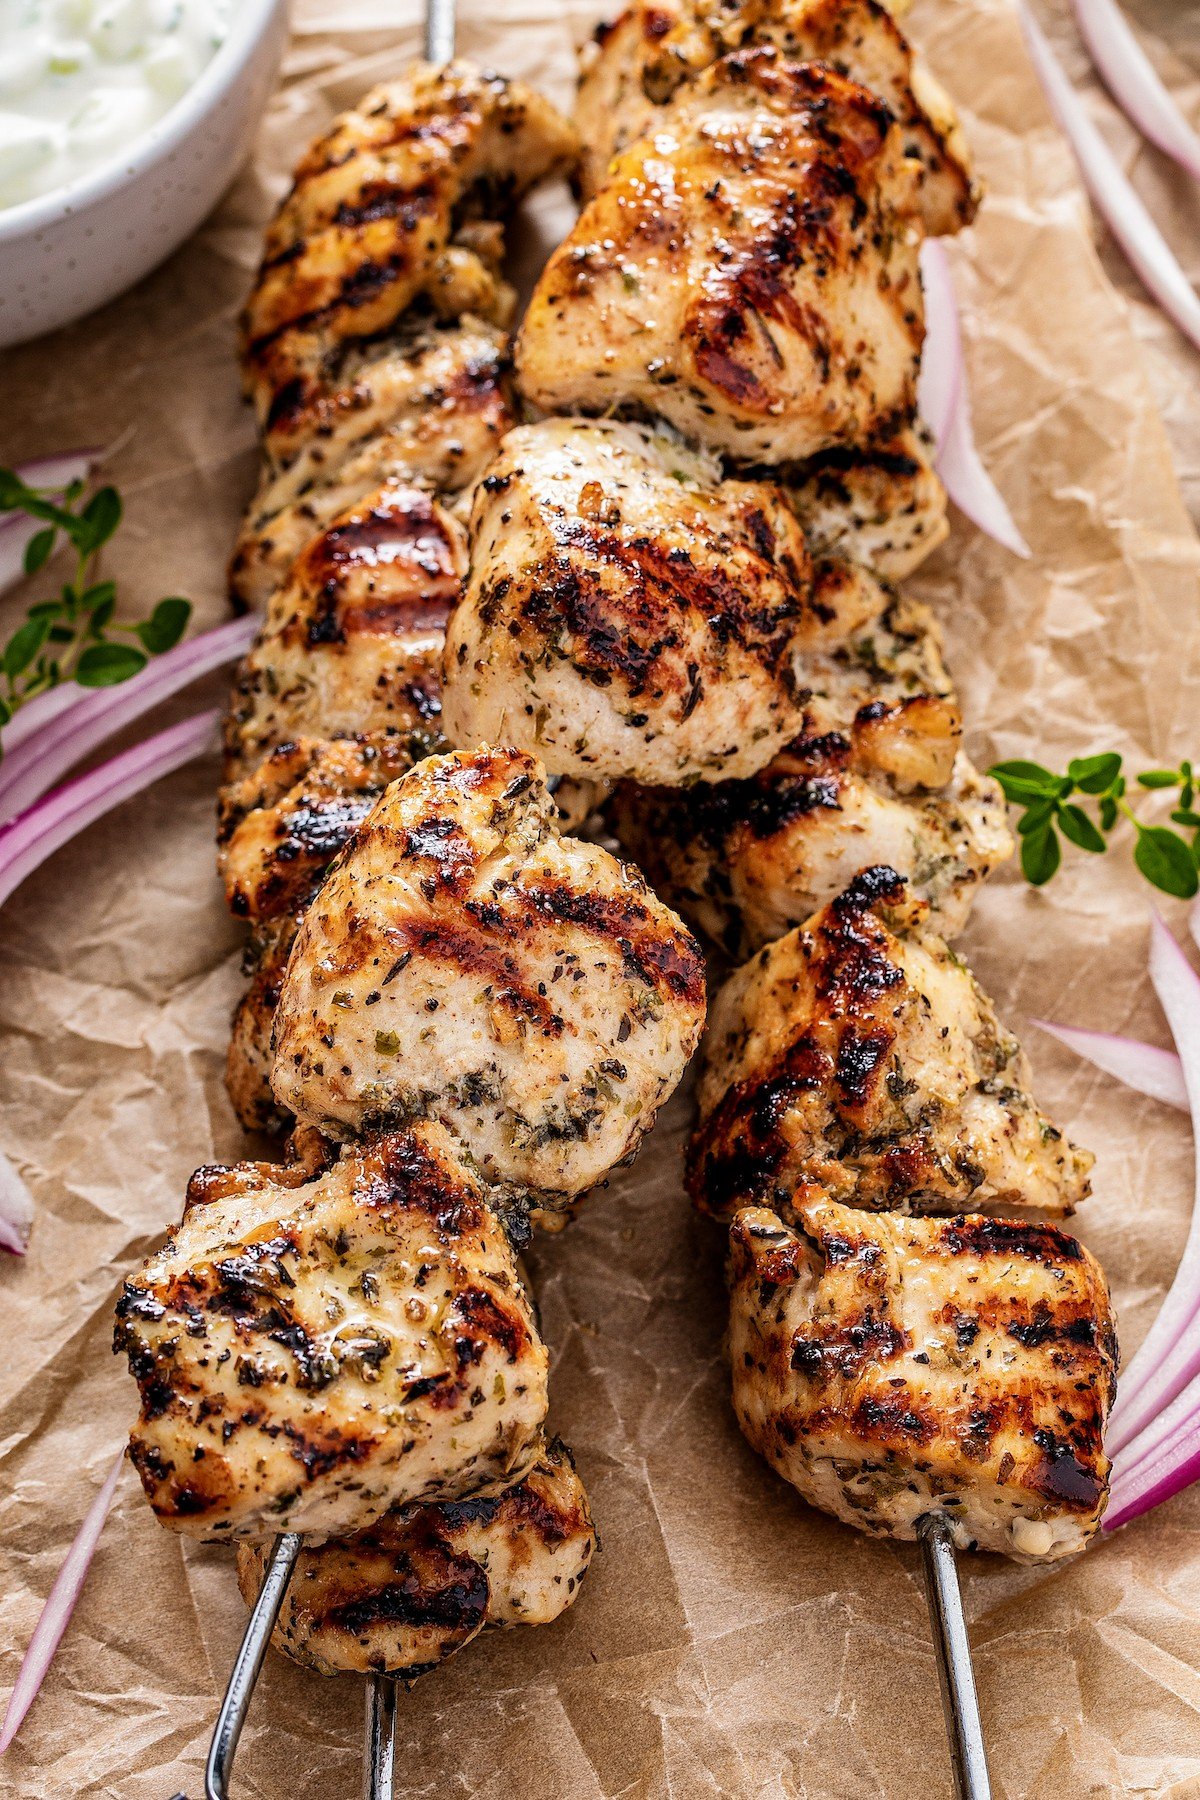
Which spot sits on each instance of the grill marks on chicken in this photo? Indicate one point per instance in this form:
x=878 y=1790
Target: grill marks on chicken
x=858 y=1058
x=749 y=272
x=429 y=408
x=889 y=1367
x=389 y=207
x=279 y=830
x=875 y=775
x=416 y=1586
x=310 y=1356
x=629 y=614
x=464 y=962
x=352 y=640
x=641 y=60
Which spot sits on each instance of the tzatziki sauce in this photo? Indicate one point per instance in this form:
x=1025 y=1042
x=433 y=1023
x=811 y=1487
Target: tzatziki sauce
x=82 y=80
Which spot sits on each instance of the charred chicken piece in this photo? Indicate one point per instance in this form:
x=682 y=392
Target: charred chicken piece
x=310 y=1356
x=749 y=272
x=429 y=407
x=859 y=1058
x=464 y=962
x=279 y=830
x=281 y=827
x=882 y=505
x=352 y=641
x=627 y=614
x=744 y=861
x=875 y=776
x=383 y=211
x=641 y=60
x=891 y=1367
x=416 y=1586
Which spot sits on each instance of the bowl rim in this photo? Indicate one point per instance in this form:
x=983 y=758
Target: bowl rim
x=249 y=23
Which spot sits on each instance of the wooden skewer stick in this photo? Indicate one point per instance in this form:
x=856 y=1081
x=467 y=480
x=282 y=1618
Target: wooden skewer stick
x=952 y=1646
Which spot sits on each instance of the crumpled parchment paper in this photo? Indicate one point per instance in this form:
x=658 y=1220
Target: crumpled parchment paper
x=729 y=1641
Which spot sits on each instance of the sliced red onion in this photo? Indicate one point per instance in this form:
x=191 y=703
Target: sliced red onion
x=52 y=475
x=1133 y=82
x=1143 y=1067
x=970 y=486
x=31 y=769
x=1168 y=1433
x=1113 y=194
x=16 y=1210
x=38 y=712
x=54 y=821
x=1169 y=1357
x=941 y=359
x=1159 y=1463
x=945 y=405
x=56 y=1614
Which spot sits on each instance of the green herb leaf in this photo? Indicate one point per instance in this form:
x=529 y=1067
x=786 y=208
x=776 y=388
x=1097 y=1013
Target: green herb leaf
x=12 y=491
x=24 y=645
x=1025 y=780
x=1185 y=816
x=1093 y=774
x=97 y=522
x=1159 y=778
x=39 y=549
x=1166 y=861
x=105 y=665
x=1078 y=829
x=1041 y=855
x=1037 y=816
x=166 y=625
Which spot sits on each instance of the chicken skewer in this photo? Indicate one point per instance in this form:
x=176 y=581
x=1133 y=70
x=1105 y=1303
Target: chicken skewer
x=637 y=227
x=259 y=854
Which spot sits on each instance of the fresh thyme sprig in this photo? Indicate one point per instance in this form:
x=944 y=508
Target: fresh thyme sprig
x=1170 y=860
x=74 y=637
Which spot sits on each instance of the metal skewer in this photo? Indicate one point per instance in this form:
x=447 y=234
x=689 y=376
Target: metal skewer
x=381 y=1738
x=956 y=1676
x=439 y=30
x=247 y=1664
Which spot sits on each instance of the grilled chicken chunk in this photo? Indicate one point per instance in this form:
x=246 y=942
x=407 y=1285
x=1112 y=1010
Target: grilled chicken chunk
x=881 y=505
x=875 y=776
x=464 y=962
x=311 y=1355
x=858 y=1058
x=640 y=61
x=352 y=641
x=627 y=614
x=749 y=272
x=405 y=1594
x=279 y=829
x=430 y=408
x=744 y=861
x=891 y=1367
x=371 y=220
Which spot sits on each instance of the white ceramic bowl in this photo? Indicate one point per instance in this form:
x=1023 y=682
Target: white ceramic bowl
x=66 y=252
